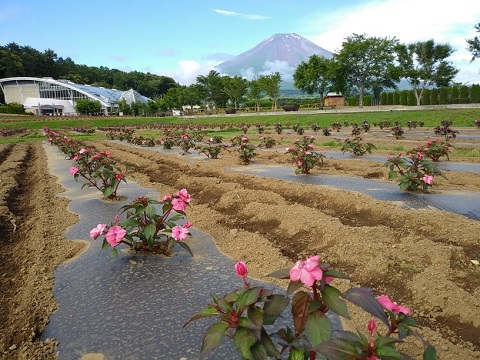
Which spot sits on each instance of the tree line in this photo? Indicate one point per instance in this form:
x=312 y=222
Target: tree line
x=366 y=69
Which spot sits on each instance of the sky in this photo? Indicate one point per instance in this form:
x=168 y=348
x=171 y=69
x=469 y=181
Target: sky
x=186 y=38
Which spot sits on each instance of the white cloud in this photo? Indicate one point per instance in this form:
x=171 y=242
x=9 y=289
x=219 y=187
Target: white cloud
x=408 y=21
x=240 y=15
x=188 y=71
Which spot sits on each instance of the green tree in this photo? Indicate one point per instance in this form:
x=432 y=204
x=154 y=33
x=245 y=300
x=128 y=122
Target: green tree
x=463 y=95
x=366 y=63
x=235 y=88
x=475 y=94
x=211 y=86
x=255 y=92
x=390 y=98
x=443 y=95
x=474 y=44
x=454 y=94
x=315 y=76
x=426 y=97
x=271 y=85
x=404 y=97
x=424 y=64
x=383 y=98
x=396 y=98
x=87 y=107
x=434 y=96
x=410 y=98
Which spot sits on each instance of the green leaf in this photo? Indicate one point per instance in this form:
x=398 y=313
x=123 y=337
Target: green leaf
x=274 y=306
x=430 y=353
x=296 y=354
x=114 y=253
x=300 y=303
x=224 y=306
x=281 y=274
x=268 y=344
x=107 y=191
x=213 y=336
x=293 y=286
x=337 y=349
x=105 y=244
x=247 y=298
x=255 y=314
x=130 y=222
x=205 y=312
x=335 y=273
x=244 y=339
x=149 y=231
x=319 y=328
x=185 y=247
x=150 y=211
x=363 y=298
x=258 y=351
x=388 y=352
x=332 y=299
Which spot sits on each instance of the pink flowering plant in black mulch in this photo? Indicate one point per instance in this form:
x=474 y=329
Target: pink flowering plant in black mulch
x=304 y=156
x=245 y=315
x=146 y=228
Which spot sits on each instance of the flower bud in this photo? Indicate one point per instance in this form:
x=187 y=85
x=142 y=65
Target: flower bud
x=372 y=326
x=241 y=269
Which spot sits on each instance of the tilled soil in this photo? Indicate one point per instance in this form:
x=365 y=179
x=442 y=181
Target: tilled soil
x=420 y=258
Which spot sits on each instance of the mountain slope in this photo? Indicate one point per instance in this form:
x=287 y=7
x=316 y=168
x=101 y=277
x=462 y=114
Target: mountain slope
x=280 y=52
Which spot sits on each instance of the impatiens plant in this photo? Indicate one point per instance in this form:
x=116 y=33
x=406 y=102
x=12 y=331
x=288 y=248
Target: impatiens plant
x=356 y=146
x=246 y=316
x=267 y=141
x=98 y=170
x=212 y=149
x=246 y=151
x=434 y=150
x=304 y=156
x=414 y=171
x=185 y=142
x=150 y=225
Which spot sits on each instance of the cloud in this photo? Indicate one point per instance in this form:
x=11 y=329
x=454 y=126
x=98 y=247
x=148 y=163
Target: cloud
x=188 y=71
x=240 y=15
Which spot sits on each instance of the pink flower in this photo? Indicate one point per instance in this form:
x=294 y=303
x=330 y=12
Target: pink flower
x=372 y=325
x=179 y=205
x=97 y=231
x=187 y=224
x=328 y=279
x=241 y=269
x=299 y=163
x=244 y=138
x=311 y=146
x=306 y=271
x=75 y=158
x=428 y=179
x=73 y=170
x=179 y=233
x=184 y=195
x=167 y=197
x=388 y=304
x=287 y=149
x=388 y=157
x=82 y=151
x=119 y=176
x=429 y=143
x=308 y=153
x=115 y=235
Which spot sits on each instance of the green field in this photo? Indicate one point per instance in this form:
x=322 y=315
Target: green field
x=461 y=118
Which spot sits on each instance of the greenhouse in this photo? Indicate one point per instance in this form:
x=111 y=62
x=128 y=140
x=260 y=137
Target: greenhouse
x=46 y=96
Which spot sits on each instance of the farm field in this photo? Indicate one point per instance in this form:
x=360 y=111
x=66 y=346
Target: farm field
x=421 y=258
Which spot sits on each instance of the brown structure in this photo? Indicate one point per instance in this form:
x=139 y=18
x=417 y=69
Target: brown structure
x=334 y=100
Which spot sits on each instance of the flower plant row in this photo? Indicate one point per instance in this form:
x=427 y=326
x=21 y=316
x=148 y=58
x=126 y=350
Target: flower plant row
x=246 y=315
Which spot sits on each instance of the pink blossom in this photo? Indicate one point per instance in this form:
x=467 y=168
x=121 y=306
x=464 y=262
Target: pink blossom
x=299 y=163
x=115 y=235
x=308 y=153
x=428 y=179
x=328 y=279
x=241 y=269
x=311 y=146
x=119 y=176
x=372 y=325
x=117 y=219
x=187 y=224
x=179 y=233
x=306 y=271
x=244 y=138
x=167 y=197
x=179 y=205
x=75 y=158
x=82 y=150
x=429 y=143
x=388 y=304
x=184 y=195
x=73 y=170
x=97 y=231
x=287 y=149
x=388 y=157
